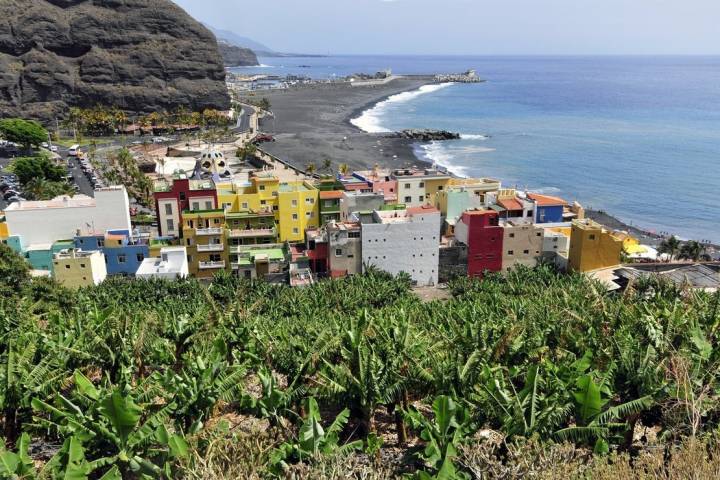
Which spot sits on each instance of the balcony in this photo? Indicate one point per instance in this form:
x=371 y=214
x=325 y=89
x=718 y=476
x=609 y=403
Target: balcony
x=211 y=265
x=208 y=231
x=212 y=247
x=253 y=232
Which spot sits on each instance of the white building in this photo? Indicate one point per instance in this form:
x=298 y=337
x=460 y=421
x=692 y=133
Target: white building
x=43 y=222
x=171 y=265
x=404 y=241
x=76 y=268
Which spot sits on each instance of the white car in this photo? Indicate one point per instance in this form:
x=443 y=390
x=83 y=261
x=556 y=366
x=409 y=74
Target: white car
x=53 y=148
x=44 y=145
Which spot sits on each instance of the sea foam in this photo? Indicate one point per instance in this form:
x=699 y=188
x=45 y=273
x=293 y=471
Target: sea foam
x=370 y=120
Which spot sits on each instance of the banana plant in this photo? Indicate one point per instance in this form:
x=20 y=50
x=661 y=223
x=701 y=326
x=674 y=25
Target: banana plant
x=313 y=440
x=449 y=427
x=113 y=429
x=17 y=464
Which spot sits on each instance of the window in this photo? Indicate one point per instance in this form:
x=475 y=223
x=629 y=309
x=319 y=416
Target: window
x=592 y=237
x=512 y=235
x=182 y=195
x=295 y=231
x=408 y=199
x=421 y=198
x=407 y=186
x=101 y=242
x=189 y=258
x=226 y=205
x=529 y=214
x=244 y=206
x=215 y=257
x=263 y=202
x=353 y=234
x=140 y=257
x=122 y=258
x=294 y=203
x=168 y=209
x=170 y=224
x=208 y=205
x=439 y=190
x=262 y=188
x=294 y=216
x=82 y=265
x=511 y=252
x=67 y=266
x=310 y=200
x=422 y=185
x=307 y=214
x=216 y=221
x=275 y=208
x=189 y=241
x=195 y=206
x=338 y=252
x=526 y=252
x=538 y=234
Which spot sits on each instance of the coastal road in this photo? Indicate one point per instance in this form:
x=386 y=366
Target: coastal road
x=243 y=123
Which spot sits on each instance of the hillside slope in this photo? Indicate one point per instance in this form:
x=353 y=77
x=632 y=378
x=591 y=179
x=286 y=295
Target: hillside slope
x=139 y=55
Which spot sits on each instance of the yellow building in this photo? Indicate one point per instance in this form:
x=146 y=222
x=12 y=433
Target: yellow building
x=4 y=231
x=205 y=239
x=298 y=202
x=592 y=247
x=76 y=268
x=260 y=194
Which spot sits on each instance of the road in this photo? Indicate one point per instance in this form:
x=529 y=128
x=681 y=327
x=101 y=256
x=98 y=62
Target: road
x=243 y=122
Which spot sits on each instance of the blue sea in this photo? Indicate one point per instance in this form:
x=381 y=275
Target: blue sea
x=638 y=137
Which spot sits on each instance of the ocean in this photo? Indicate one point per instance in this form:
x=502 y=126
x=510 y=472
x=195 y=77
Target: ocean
x=637 y=137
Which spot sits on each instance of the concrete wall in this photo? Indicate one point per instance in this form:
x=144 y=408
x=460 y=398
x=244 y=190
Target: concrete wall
x=522 y=245
x=410 y=247
x=363 y=202
x=350 y=257
x=410 y=188
x=80 y=271
x=111 y=211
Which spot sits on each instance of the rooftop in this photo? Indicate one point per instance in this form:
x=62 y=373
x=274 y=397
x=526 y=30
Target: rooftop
x=293 y=187
x=331 y=195
x=63 y=201
x=414 y=172
x=511 y=204
x=546 y=200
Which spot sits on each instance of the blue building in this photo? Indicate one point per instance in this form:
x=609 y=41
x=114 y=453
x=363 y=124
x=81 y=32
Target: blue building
x=123 y=253
x=548 y=209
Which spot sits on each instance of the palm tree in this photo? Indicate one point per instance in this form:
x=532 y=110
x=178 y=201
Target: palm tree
x=670 y=247
x=694 y=251
x=344 y=169
x=310 y=168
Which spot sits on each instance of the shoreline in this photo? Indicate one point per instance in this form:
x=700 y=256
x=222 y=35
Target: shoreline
x=326 y=130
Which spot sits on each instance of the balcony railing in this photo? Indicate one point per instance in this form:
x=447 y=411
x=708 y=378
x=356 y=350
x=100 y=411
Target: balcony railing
x=211 y=265
x=253 y=232
x=212 y=247
x=208 y=231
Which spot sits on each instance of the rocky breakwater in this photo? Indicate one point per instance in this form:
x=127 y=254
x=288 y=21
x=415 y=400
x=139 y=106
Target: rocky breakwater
x=138 y=55
x=427 y=135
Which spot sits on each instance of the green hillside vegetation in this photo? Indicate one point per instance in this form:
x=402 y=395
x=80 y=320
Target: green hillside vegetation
x=539 y=375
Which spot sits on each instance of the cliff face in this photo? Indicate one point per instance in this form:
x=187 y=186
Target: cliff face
x=236 y=56
x=139 y=55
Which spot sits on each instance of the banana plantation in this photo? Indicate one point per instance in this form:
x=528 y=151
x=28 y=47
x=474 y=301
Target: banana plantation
x=536 y=374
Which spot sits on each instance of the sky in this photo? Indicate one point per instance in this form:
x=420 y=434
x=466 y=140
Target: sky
x=470 y=27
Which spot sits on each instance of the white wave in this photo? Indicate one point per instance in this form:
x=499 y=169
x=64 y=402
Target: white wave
x=444 y=154
x=470 y=136
x=369 y=121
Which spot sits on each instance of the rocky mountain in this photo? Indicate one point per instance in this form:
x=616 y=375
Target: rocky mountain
x=234 y=56
x=139 y=55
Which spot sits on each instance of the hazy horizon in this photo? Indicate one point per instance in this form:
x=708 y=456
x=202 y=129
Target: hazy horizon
x=471 y=27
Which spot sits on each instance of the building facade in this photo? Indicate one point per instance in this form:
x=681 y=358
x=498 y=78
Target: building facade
x=592 y=247
x=404 y=241
x=75 y=268
x=182 y=194
x=170 y=265
x=480 y=230
x=522 y=245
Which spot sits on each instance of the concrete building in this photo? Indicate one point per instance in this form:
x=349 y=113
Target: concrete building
x=298 y=202
x=330 y=206
x=380 y=181
x=344 y=249
x=75 y=268
x=418 y=187
x=480 y=230
x=548 y=209
x=592 y=247
x=64 y=217
x=556 y=246
x=269 y=263
x=171 y=265
x=123 y=253
x=353 y=203
x=182 y=194
x=404 y=241
x=204 y=236
x=522 y=245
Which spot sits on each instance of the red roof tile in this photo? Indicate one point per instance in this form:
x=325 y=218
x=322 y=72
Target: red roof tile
x=330 y=195
x=510 y=204
x=546 y=200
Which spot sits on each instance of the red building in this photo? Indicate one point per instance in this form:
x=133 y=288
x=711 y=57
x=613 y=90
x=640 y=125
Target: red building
x=481 y=232
x=316 y=250
x=182 y=194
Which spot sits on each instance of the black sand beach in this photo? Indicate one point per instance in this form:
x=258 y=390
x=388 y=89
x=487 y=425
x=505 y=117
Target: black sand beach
x=312 y=124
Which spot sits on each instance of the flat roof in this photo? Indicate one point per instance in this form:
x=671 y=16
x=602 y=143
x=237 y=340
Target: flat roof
x=286 y=187
x=63 y=201
x=331 y=195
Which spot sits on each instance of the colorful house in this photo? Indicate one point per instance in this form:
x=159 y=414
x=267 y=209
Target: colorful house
x=380 y=181
x=592 y=247
x=298 y=202
x=330 y=206
x=480 y=230
x=418 y=187
x=76 y=268
x=548 y=209
x=123 y=254
x=180 y=195
x=204 y=238
x=170 y=264
x=269 y=263
x=522 y=245
x=344 y=249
